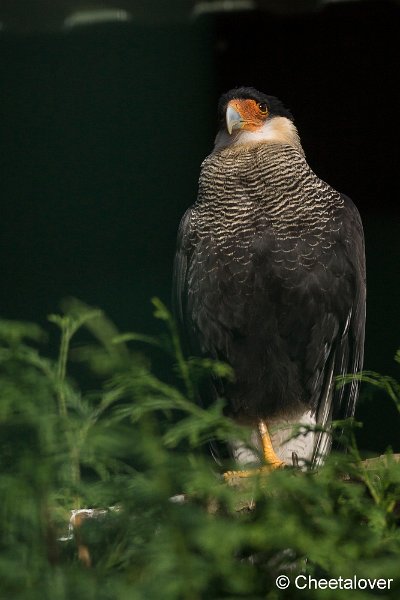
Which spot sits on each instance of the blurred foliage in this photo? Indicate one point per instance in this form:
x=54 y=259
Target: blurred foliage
x=129 y=443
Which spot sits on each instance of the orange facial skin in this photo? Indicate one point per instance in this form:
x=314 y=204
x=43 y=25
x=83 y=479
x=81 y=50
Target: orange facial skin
x=253 y=115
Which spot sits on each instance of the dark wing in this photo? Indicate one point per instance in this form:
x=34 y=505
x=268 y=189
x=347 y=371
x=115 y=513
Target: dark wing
x=209 y=388
x=348 y=352
x=180 y=286
x=180 y=271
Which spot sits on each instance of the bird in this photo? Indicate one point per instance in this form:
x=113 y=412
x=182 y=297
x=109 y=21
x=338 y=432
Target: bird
x=269 y=277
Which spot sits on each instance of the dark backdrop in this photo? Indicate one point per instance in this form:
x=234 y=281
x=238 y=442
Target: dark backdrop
x=103 y=130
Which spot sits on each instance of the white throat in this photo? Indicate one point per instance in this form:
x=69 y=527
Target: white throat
x=278 y=130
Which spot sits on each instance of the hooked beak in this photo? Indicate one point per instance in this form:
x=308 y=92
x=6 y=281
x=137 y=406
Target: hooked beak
x=234 y=119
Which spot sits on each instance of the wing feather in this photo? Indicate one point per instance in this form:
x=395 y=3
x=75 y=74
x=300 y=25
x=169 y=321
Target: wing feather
x=338 y=402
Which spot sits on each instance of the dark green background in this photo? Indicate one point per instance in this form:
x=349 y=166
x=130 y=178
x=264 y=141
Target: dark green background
x=103 y=130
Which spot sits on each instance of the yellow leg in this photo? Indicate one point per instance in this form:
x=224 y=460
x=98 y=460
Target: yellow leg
x=272 y=460
x=270 y=457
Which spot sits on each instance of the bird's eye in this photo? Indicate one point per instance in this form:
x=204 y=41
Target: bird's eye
x=263 y=108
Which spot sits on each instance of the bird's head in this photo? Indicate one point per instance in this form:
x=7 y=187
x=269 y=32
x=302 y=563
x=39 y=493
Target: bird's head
x=248 y=116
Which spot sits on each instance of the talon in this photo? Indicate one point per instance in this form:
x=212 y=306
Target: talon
x=231 y=476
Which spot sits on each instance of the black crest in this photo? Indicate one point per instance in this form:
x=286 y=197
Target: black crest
x=275 y=106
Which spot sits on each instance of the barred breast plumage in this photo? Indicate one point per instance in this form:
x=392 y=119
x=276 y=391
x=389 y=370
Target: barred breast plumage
x=263 y=185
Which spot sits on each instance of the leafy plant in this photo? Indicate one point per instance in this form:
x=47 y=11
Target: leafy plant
x=95 y=428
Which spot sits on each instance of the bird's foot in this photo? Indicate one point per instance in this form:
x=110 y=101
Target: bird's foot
x=231 y=477
x=272 y=460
